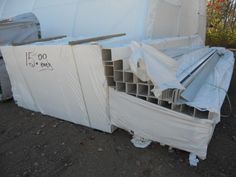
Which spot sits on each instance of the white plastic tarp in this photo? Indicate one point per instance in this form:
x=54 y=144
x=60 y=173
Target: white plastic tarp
x=61 y=81
x=167 y=73
x=68 y=82
x=140 y=19
x=159 y=124
x=44 y=79
x=89 y=65
x=215 y=86
x=159 y=68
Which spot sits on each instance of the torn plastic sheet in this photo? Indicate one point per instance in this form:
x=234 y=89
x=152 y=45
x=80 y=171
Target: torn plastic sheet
x=160 y=68
x=193 y=160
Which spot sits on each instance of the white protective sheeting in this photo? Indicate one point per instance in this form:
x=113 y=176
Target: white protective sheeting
x=159 y=124
x=140 y=19
x=214 y=88
x=157 y=67
x=61 y=81
x=50 y=85
x=209 y=86
x=89 y=65
x=68 y=82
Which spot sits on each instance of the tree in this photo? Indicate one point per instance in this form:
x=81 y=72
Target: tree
x=222 y=23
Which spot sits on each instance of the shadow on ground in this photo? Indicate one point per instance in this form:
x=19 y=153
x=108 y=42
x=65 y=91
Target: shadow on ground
x=33 y=145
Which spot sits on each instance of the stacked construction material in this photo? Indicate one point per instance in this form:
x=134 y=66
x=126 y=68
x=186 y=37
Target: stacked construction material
x=196 y=66
x=68 y=83
x=21 y=28
x=125 y=81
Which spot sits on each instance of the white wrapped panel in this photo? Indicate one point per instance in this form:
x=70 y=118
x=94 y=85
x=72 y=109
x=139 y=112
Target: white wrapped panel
x=92 y=78
x=21 y=92
x=61 y=81
x=50 y=83
x=159 y=124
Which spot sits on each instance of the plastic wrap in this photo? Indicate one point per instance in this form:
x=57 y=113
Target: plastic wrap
x=209 y=86
x=68 y=82
x=61 y=81
x=159 y=124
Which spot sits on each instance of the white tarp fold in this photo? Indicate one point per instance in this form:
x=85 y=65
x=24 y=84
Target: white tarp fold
x=205 y=92
x=158 y=67
x=159 y=124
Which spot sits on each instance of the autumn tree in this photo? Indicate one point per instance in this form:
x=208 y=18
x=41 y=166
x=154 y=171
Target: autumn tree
x=222 y=23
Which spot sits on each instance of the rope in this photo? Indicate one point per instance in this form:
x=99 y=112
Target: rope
x=229 y=101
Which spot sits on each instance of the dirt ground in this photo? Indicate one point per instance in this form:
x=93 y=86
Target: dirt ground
x=33 y=145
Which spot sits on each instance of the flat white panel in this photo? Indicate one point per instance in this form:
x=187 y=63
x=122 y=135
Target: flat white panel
x=91 y=71
x=50 y=77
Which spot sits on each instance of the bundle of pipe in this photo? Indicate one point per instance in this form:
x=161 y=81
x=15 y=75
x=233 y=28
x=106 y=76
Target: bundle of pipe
x=195 y=65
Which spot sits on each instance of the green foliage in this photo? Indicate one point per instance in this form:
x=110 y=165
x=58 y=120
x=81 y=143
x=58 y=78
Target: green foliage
x=224 y=38
x=221 y=23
